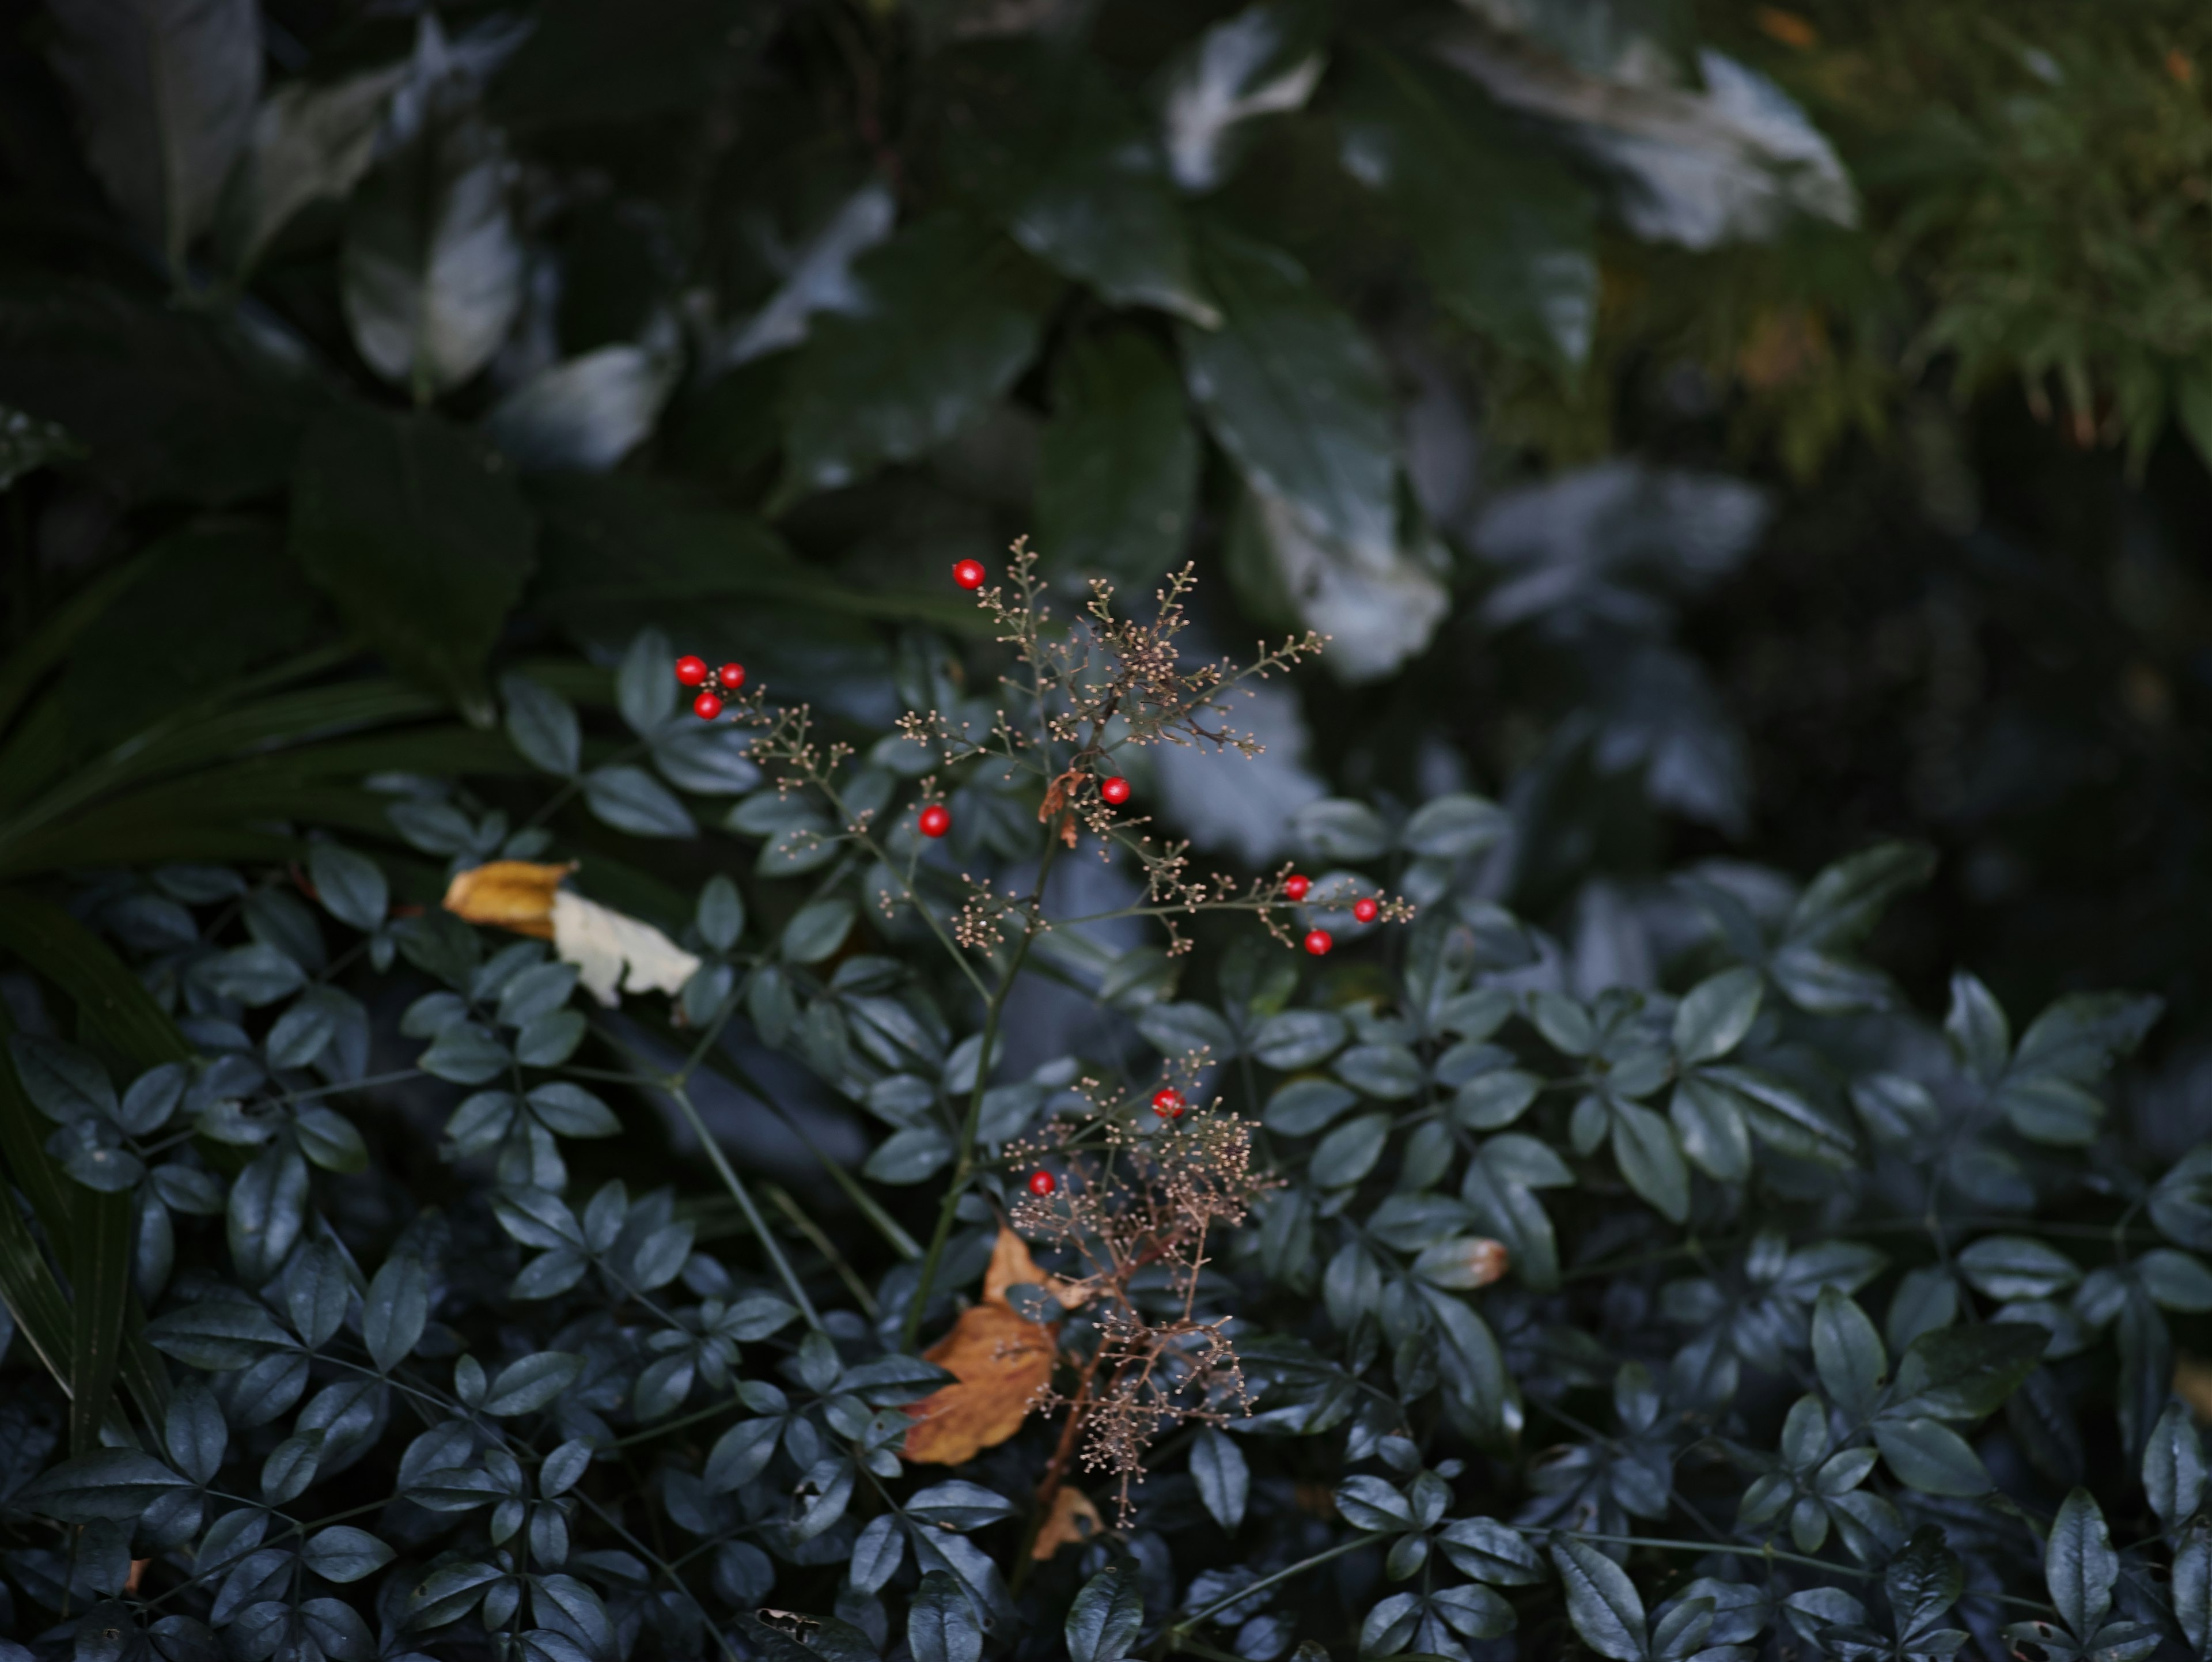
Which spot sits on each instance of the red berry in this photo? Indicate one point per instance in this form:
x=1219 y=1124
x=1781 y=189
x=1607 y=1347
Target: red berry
x=732 y=676
x=1115 y=790
x=705 y=707
x=1319 y=942
x=968 y=574
x=1041 y=1182
x=690 y=671
x=1296 y=886
x=1167 y=1102
x=936 y=819
x=1364 y=909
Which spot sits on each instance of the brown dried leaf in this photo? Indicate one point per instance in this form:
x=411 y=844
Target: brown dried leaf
x=513 y=894
x=2192 y=1382
x=1012 y=1266
x=1000 y=1362
x=1074 y=1520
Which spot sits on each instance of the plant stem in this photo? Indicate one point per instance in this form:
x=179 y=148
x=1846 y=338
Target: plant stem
x=964 y=1162
x=681 y=1096
x=1174 y=1634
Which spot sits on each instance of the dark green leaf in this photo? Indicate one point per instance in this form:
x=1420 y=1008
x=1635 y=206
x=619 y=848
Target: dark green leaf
x=1506 y=234
x=1117 y=471
x=1601 y=1601
x=1044 y=140
x=117 y=1484
x=408 y=524
x=1295 y=393
x=940 y=1625
x=1224 y=1480
x=1104 y=1622
x=2080 y=1564
x=951 y=317
x=1848 y=1352
x=165 y=95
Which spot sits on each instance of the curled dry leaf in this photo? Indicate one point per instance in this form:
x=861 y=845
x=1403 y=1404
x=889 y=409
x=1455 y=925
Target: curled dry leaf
x=613 y=953
x=1011 y=1265
x=1074 y=1520
x=511 y=894
x=1001 y=1363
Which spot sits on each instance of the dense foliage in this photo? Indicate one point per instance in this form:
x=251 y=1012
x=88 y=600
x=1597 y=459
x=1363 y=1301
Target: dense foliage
x=1572 y=1117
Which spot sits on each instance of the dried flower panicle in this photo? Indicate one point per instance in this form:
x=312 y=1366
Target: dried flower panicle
x=1135 y=1207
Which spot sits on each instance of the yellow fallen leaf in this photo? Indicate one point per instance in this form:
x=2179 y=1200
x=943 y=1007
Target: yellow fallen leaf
x=1073 y=1521
x=1000 y=1362
x=511 y=894
x=613 y=953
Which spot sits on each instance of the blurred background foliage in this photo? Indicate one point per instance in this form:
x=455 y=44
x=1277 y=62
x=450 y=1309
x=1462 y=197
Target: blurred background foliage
x=1721 y=433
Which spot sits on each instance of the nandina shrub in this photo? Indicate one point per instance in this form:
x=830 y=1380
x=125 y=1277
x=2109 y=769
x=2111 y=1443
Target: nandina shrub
x=1356 y=1279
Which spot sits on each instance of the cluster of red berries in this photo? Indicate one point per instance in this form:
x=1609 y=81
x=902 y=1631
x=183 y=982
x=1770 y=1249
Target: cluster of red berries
x=1296 y=887
x=715 y=684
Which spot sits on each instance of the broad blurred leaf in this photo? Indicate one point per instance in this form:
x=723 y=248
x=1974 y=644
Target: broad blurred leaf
x=1120 y=463
x=953 y=311
x=1261 y=62
x=311 y=142
x=1295 y=393
x=409 y=525
x=432 y=267
x=588 y=412
x=165 y=92
x=1506 y=235
x=820 y=276
x=1043 y=140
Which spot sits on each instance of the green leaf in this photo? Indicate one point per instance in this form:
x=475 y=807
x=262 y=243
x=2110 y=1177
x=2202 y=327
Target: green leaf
x=2011 y=1267
x=1922 y=1582
x=630 y=799
x=395 y=1310
x=342 y=1553
x=2174 y=1466
x=1644 y=1146
x=1848 y=1353
x=1117 y=470
x=817 y=929
x=1783 y=1118
x=1453 y=826
x=1843 y=903
x=941 y=1626
x=526 y=1387
x=1217 y=1467
x=1044 y=140
x=1709 y=1118
x=1103 y=1621
x=1715 y=1014
x=1979 y=1031
x=407 y=523
x=1963 y=1372
x=432 y=267
x=1928 y=1456
x=165 y=94
x=2080 y=1565
x=99 y=1261
x=108 y=1483
x=1506 y=234
x=1295 y=393
x=1601 y=1601
x=311 y=142
x=109 y=998
x=952 y=315
x=543 y=726
x=1349 y=1153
